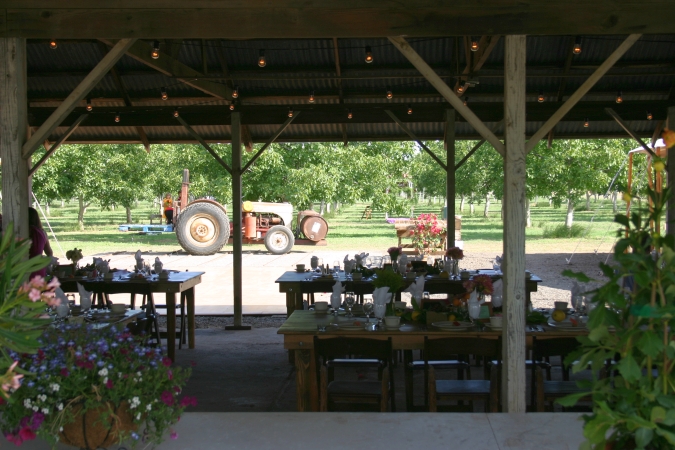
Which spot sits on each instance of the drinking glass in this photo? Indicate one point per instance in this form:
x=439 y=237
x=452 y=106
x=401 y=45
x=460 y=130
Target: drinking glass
x=369 y=262
x=368 y=309
x=385 y=260
x=380 y=311
x=336 y=267
x=349 y=302
x=577 y=302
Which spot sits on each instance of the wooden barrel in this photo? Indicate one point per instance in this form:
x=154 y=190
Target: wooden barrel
x=313 y=226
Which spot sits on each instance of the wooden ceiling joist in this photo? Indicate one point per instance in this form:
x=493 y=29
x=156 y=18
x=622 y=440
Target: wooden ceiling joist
x=270 y=141
x=628 y=130
x=208 y=148
x=55 y=146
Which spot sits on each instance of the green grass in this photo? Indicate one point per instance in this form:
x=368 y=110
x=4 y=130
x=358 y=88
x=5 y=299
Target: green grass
x=346 y=229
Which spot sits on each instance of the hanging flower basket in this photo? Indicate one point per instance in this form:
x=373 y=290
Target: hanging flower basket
x=98 y=427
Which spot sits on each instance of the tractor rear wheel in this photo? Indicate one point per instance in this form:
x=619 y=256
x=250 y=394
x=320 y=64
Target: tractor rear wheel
x=279 y=240
x=202 y=229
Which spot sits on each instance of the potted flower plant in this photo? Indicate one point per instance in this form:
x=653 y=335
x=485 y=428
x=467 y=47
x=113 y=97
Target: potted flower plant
x=91 y=388
x=482 y=284
x=631 y=321
x=394 y=253
x=427 y=234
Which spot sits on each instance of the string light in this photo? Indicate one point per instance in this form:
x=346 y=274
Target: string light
x=586 y=123
x=232 y=106
x=649 y=115
x=541 y=97
x=117 y=117
x=290 y=112
x=53 y=44
x=165 y=96
x=89 y=107
x=155 y=50
x=349 y=114
x=462 y=87
x=466 y=101
x=474 y=45
x=390 y=94
x=369 y=54
x=619 y=97
x=409 y=109
x=235 y=92
x=175 y=112
x=577 y=45
x=261 y=59
x=311 y=96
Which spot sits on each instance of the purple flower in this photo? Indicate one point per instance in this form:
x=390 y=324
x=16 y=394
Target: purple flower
x=174 y=435
x=167 y=398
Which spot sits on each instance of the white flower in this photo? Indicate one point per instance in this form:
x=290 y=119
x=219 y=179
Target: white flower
x=54 y=387
x=45 y=411
x=134 y=402
x=138 y=374
x=105 y=380
x=103 y=372
x=42 y=397
x=35 y=408
x=148 y=407
x=60 y=407
x=27 y=404
x=60 y=428
x=138 y=416
x=119 y=374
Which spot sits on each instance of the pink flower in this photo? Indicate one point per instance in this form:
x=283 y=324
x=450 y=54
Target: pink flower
x=166 y=361
x=174 y=435
x=188 y=401
x=34 y=295
x=11 y=380
x=64 y=372
x=170 y=375
x=167 y=398
x=37 y=281
x=27 y=434
x=54 y=283
x=109 y=384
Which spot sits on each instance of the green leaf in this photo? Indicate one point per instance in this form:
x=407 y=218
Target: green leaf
x=658 y=414
x=643 y=436
x=576 y=275
x=669 y=420
x=629 y=369
x=621 y=219
x=598 y=333
x=572 y=399
x=650 y=344
x=670 y=437
x=596 y=429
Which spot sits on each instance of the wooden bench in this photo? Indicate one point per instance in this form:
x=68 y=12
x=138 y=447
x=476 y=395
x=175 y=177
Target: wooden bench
x=404 y=230
x=155 y=217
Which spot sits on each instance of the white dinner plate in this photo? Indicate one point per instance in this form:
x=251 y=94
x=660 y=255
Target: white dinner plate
x=407 y=328
x=447 y=325
x=563 y=324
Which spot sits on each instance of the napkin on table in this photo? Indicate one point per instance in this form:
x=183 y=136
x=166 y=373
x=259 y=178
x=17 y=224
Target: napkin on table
x=381 y=296
x=139 y=260
x=158 y=265
x=85 y=297
x=361 y=259
x=336 y=296
x=61 y=296
x=497 y=295
x=416 y=289
x=498 y=263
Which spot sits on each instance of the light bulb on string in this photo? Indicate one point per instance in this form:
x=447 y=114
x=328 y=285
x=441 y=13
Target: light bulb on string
x=390 y=94
x=409 y=109
x=155 y=50
x=165 y=96
x=649 y=115
x=261 y=59
x=369 y=54
x=462 y=87
x=474 y=45
x=290 y=112
x=619 y=97
x=117 y=117
x=53 y=44
x=349 y=114
x=540 y=97
x=577 y=45
x=235 y=92
x=586 y=123
x=311 y=97
x=232 y=106
x=175 y=112
x=466 y=101
x=89 y=107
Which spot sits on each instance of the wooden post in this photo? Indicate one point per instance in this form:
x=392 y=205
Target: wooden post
x=513 y=371
x=13 y=128
x=237 y=244
x=449 y=143
x=670 y=218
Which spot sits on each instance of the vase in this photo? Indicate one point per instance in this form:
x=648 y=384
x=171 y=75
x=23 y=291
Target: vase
x=88 y=431
x=455 y=268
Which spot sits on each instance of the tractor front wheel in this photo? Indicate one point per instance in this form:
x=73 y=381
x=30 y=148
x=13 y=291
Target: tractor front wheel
x=279 y=240
x=202 y=228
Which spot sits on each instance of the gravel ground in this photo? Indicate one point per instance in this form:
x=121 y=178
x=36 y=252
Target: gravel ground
x=222 y=321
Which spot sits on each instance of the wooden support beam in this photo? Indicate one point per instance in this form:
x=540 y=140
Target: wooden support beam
x=446 y=92
x=341 y=95
x=75 y=97
x=52 y=148
x=479 y=58
x=657 y=132
x=13 y=127
x=416 y=139
x=270 y=141
x=628 y=130
x=670 y=213
x=471 y=152
x=583 y=90
x=208 y=148
x=513 y=367
x=450 y=188
x=171 y=67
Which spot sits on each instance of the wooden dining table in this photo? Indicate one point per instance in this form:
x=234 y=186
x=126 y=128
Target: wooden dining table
x=301 y=327
x=182 y=283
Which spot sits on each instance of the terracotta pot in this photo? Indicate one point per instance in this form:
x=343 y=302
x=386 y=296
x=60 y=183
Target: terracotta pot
x=88 y=431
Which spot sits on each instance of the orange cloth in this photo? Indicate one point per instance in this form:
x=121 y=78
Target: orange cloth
x=167 y=204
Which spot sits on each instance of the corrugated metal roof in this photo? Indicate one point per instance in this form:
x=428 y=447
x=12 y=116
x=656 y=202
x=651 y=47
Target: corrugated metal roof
x=297 y=66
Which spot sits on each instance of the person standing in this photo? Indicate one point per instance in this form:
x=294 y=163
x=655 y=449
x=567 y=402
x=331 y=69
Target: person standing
x=167 y=204
x=39 y=241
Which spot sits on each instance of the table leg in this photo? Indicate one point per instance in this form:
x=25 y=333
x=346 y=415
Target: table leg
x=307 y=391
x=190 y=298
x=171 y=325
x=292 y=295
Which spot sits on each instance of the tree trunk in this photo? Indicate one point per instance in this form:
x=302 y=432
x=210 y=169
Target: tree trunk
x=82 y=208
x=322 y=207
x=472 y=208
x=614 y=196
x=47 y=210
x=486 y=211
x=550 y=201
x=570 y=214
x=528 y=216
x=63 y=203
x=596 y=197
x=128 y=215
x=461 y=203
x=335 y=207
x=588 y=201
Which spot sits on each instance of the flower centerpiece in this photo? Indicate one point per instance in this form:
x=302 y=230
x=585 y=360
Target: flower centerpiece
x=100 y=383
x=394 y=253
x=74 y=256
x=427 y=233
x=390 y=279
x=482 y=284
x=455 y=253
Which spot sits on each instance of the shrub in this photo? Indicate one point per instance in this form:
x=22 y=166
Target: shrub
x=562 y=231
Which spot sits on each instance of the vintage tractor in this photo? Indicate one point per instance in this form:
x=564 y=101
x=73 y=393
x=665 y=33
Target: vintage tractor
x=203 y=228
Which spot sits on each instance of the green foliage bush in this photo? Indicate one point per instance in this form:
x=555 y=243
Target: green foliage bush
x=562 y=231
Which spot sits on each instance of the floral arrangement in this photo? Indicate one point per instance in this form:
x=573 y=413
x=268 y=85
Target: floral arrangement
x=74 y=255
x=454 y=253
x=394 y=252
x=388 y=278
x=78 y=368
x=427 y=234
x=481 y=283
x=22 y=305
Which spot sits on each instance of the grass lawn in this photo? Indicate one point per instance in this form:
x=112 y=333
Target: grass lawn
x=346 y=230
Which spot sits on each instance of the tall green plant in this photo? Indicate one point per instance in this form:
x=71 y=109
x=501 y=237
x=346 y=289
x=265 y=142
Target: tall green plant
x=635 y=328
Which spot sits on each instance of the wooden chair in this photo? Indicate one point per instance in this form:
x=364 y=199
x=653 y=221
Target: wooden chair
x=148 y=304
x=486 y=390
x=370 y=353
x=412 y=366
x=547 y=391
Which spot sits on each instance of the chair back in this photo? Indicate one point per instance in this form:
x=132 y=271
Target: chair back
x=341 y=347
x=445 y=348
x=561 y=346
